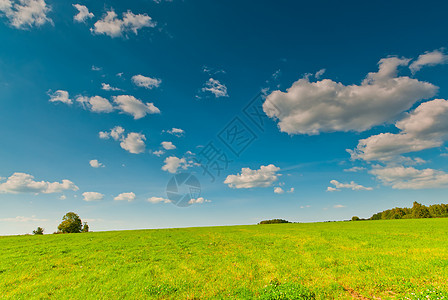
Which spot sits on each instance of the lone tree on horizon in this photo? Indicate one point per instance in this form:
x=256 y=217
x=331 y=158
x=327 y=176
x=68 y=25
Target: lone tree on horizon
x=71 y=223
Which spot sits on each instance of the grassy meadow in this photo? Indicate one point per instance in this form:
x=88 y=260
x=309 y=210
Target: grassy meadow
x=391 y=259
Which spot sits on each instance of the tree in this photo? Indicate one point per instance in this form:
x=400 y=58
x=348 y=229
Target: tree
x=85 y=227
x=38 y=231
x=71 y=223
x=355 y=218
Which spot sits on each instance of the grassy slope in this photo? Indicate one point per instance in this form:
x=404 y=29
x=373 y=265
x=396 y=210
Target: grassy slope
x=335 y=260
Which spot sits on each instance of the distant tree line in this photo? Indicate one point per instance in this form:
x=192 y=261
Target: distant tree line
x=273 y=221
x=417 y=211
x=71 y=223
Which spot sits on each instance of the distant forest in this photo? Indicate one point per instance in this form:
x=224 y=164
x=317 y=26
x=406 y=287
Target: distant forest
x=417 y=211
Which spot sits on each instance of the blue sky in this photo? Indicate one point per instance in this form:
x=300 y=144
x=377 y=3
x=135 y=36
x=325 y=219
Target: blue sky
x=102 y=103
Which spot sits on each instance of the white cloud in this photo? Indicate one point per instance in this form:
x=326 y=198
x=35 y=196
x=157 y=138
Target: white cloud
x=198 y=200
x=94 y=163
x=63 y=197
x=173 y=163
x=215 y=87
x=291 y=190
x=168 y=145
x=175 y=131
x=24 y=183
x=425 y=127
x=95 y=104
x=112 y=26
x=158 y=152
x=146 y=82
x=263 y=177
x=156 y=200
x=95 y=68
x=133 y=106
x=108 y=87
x=21 y=219
x=338 y=206
x=354 y=169
x=83 y=13
x=60 y=96
x=92 y=196
x=433 y=58
x=352 y=185
x=125 y=197
x=278 y=190
x=134 y=143
x=328 y=106
x=400 y=177
x=23 y=14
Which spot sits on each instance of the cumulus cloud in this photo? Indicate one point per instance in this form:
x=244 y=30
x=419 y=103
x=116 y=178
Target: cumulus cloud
x=113 y=26
x=133 y=142
x=263 y=177
x=95 y=104
x=175 y=131
x=60 y=96
x=354 y=169
x=125 y=197
x=429 y=58
x=198 y=200
x=94 y=163
x=399 y=177
x=352 y=185
x=156 y=200
x=92 y=196
x=168 y=145
x=108 y=87
x=146 y=82
x=25 y=183
x=24 y=14
x=215 y=87
x=158 y=152
x=328 y=106
x=83 y=13
x=425 y=127
x=278 y=190
x=173 y=163
x=133 y=106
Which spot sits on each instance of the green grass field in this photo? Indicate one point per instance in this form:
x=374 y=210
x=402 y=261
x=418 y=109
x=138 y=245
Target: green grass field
x=339 y=260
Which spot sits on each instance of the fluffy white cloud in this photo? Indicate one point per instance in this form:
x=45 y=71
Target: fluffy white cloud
x=352 y=185
x=133 y=106
x=400 y=177
x=83 y=13
x=134 y=143
x=263 y=177
x=92 y=196
x=432 y=58
x=108 y=87
x=113 y=26
x=125 y=197
x=175 y=131
x=278 y=190
x=215 y=87
x=94 y=163
x=25 y=183
x=23 y=14
x=425 y=127
x=158 y=152
x=354 y=169
x=21 y=219
x=146 y=82
x=198 y=200
x=173 y=163
x=156 y=200
x=95 y=104
x=328 y=106
x=168 y=145
x=60 y=96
